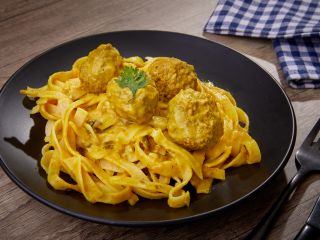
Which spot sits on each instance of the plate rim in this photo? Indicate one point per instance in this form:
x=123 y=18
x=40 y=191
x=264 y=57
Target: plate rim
x=143 y=223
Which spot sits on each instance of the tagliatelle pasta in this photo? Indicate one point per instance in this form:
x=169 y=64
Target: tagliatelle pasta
x=116 y=151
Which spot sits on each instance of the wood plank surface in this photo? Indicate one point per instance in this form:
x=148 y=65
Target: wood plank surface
x=29 y=27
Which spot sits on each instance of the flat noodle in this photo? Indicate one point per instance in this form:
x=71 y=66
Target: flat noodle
x=115 y=161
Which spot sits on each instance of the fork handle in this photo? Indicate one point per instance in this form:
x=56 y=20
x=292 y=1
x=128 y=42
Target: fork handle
x=261 y=229
x=308 y=232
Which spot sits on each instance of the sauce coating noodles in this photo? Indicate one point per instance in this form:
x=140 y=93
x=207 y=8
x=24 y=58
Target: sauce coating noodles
x=112 y=158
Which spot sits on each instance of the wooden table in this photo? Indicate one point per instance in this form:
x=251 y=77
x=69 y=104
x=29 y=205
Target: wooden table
x=28 y=27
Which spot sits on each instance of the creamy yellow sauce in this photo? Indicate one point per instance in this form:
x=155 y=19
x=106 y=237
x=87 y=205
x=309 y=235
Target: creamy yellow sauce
x=149 y=139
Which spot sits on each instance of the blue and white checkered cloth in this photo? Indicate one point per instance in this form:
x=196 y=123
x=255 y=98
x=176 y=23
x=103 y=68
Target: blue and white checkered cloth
x=293 y=24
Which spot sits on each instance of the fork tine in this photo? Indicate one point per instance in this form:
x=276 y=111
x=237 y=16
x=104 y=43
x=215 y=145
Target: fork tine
x=313 y=133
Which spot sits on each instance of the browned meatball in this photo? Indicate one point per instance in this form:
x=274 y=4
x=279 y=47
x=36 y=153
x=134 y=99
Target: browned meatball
x=170 y=76
x=101 y=65
x=138 y=107
x=194 y=121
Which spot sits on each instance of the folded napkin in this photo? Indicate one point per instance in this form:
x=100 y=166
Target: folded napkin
x=294 y=25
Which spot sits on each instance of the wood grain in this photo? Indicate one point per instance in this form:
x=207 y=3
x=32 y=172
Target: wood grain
x=28 y=28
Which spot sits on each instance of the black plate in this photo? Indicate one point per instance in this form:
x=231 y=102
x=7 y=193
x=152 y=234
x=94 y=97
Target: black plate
x=271 y=114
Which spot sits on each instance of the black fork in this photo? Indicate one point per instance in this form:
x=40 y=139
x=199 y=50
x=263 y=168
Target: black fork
x=307 y=162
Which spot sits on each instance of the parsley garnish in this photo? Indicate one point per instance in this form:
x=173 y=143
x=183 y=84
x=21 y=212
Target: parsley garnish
x=133 y=79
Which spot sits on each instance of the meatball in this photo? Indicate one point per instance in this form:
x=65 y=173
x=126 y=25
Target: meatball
x=138 y=107
x=194 y=121
x=170 y=76
x=101 y=65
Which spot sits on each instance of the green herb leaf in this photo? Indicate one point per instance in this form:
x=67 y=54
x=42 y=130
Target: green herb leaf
x=133 y=79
